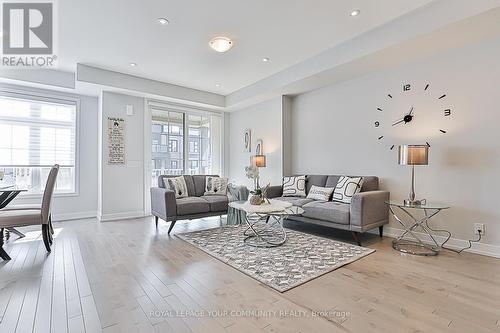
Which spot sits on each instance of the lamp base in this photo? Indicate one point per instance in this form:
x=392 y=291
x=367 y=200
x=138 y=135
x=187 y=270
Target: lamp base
x=409 y=202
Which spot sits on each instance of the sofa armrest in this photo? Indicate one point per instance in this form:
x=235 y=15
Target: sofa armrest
x=274 y=191
x=369 y=210
x=163 y=203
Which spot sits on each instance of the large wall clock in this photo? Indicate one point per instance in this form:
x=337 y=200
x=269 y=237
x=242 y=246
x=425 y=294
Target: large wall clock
x=406 y=112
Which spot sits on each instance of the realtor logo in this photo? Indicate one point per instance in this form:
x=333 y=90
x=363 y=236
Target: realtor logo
x=28 y=31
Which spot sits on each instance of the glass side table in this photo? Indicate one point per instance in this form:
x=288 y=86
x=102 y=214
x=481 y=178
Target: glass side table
x=413 y=244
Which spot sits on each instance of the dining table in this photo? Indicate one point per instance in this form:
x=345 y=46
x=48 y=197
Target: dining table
x=7 y=194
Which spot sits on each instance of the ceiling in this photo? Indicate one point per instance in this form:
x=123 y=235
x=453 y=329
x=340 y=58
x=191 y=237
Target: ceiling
x=113 y=33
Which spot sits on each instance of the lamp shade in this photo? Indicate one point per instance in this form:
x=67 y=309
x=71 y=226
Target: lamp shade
x=260 y=160
x=413 y=155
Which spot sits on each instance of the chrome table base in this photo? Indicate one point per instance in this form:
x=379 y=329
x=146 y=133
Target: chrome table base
x=264 y=230
x=415 y=245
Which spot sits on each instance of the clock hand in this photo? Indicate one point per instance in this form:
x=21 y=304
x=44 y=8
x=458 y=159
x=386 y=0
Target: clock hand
x=398 y=122
x=411 y=111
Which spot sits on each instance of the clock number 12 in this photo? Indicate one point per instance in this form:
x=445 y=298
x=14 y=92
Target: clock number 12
x=406 y=87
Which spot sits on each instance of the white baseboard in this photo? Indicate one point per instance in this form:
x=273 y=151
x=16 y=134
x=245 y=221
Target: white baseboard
x=453 y=243
x=121 y=216
x=74 y=216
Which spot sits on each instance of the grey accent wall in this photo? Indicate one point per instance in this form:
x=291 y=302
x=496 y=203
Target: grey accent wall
x=333 y=132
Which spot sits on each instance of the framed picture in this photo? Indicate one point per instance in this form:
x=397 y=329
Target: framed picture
x=248 y=140
x=258 y=147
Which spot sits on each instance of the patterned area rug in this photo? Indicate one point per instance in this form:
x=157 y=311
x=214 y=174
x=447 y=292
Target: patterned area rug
x=302 y=258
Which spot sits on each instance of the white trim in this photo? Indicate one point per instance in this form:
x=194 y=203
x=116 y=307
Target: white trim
x=147 y=155
x=121 y=216
x=454 y=243
x=74 y=216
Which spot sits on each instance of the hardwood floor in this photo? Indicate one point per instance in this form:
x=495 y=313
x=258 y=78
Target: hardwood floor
x=127 y=276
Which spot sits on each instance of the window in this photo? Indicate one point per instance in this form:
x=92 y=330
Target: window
x=173 y=146
x=194 y=142
x=35 y=134
x=194 y=147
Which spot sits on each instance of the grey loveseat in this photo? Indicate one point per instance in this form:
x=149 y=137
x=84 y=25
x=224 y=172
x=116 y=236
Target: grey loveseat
x=366 y=211
x=165 y=206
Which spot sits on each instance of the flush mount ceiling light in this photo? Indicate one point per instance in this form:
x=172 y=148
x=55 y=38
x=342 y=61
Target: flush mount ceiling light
x=221 y=44
x=162 y=21
x=217 y=85
x=355 y=12
x=133 y=64
x=265 y=59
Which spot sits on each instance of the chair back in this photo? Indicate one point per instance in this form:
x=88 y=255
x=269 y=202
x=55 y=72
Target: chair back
x=47 y=193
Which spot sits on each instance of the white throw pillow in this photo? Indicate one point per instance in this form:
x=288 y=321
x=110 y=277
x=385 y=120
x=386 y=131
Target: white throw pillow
x=294 y=186
x=178 y=185
x=320 y=193
x=346 y=188
x=215 y=186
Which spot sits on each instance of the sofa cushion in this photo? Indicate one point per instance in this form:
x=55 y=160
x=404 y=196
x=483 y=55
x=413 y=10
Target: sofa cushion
x=346 y=188
x=294 y=186
x=328 y=211
x=332 y=181
x=192 y=205
x=199 y=184
x=316 y=180
x=370 y=183
x=178 y=185
x=296 y=201
x=162 y=182
x=218 y=203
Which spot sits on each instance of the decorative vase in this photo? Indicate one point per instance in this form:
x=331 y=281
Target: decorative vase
x=256 y=199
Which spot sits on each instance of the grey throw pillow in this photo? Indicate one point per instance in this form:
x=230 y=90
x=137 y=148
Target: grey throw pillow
x=294 y=186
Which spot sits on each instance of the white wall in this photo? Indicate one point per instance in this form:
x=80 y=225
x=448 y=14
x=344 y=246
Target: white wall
x=333 y=132
x=264 y=120
x=121 y=187
x=84 y=204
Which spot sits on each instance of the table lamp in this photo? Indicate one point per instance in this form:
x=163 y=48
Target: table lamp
x=260 y=161
x=413 y=155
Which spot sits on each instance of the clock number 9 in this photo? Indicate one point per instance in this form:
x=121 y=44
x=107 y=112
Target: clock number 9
x=377 y=124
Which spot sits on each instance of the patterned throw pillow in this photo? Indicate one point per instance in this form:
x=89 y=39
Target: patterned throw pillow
x=346 y=188
x=178 y=185
x=215 y=186
x=320 y=193
x=294 y=186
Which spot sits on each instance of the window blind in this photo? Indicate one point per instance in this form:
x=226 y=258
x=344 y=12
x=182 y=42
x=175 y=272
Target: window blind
x=36 y=133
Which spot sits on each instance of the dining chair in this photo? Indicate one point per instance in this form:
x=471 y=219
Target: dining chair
x=21 y=217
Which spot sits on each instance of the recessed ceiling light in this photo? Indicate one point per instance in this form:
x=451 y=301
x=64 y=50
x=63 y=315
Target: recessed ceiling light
x=221 y=44
x=133 y=64
x=217 y=85
x=355 y=12
x=265 y=59
x=162 y=21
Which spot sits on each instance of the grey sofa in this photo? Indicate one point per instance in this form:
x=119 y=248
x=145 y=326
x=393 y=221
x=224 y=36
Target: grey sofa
x=165 y=206
x=366 y=211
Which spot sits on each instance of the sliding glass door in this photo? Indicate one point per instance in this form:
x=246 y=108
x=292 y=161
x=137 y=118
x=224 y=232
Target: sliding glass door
x=184 y=143
x=167 y=143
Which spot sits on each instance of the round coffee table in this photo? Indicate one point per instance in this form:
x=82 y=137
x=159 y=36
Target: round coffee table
x=265 y=222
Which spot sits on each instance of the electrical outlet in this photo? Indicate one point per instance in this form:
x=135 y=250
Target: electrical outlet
x=478 y=227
